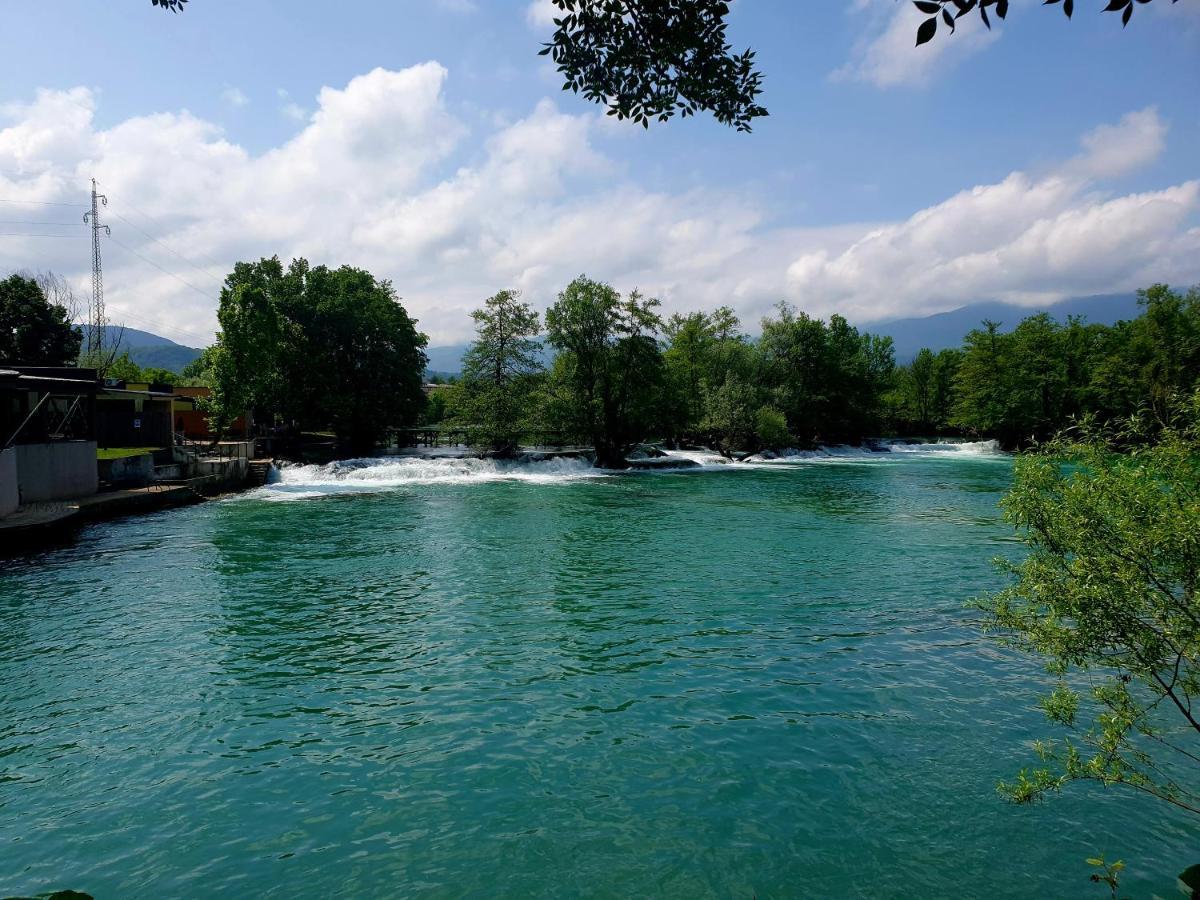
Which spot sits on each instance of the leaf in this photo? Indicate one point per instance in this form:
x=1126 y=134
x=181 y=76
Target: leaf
x=1127 y=15
x=927 y=30
x=928 y=7
x=1191 y=877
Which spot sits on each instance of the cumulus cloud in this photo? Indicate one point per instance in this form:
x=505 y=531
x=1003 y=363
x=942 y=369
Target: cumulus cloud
x=540 y=14
x=1025 y=240
x=885 y=56
x=383 y=175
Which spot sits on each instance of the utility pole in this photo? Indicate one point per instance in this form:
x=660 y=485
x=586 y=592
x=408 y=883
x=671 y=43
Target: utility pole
x=94 y=336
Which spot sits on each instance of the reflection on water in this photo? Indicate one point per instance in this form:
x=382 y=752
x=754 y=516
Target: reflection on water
x=732 y=680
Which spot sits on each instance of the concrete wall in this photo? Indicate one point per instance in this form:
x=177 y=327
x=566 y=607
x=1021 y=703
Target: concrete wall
x=128 y=470
x=9 y=498
x=56 y=471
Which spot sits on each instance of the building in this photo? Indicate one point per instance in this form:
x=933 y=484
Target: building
x=192 y=421
x=47 y=425
x=134 y=415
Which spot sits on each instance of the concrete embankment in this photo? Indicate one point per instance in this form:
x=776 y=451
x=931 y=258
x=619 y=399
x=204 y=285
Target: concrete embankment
x=43 y=523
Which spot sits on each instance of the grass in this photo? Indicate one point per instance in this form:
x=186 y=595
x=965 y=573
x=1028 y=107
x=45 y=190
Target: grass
x=122 y=452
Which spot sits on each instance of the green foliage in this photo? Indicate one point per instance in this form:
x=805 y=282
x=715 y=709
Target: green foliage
x=827 y=379
x=731 y=417
x=1108 y=597
x=33 y=331
x=702 y=350
x=1108 y=874
x=770 y=426
x=608 y=373
x=499 y=372
x=199 y=371
x=649 y=60
x=316 y=347
x=1022 y=386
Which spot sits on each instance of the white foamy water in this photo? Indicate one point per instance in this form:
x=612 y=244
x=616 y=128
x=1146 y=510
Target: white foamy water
x=370 y=475
x=884 y=450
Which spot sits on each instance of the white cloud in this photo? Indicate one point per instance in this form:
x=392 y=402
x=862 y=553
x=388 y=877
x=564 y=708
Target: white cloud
x=1024 y=240
x=886 y=56
x=234 y=97
x=368 y=180
x=1111 y=150
x=540 y=14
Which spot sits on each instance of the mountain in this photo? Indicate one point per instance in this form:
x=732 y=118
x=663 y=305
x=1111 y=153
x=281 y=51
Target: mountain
x=937 y=332
x=151 y=350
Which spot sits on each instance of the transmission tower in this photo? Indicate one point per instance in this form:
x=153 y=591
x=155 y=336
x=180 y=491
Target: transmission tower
x=94 y=335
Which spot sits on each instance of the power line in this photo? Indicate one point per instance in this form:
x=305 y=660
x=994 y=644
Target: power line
x=170 y=249
x=26 y=234
x=27 y=222
x=145 y=259
x=141 y=212
x=38 y=202
x=160 y=326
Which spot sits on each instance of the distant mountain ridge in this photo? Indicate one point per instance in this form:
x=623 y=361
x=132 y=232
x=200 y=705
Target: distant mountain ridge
x=150 y=350
x=937 y=332
x=943 y=330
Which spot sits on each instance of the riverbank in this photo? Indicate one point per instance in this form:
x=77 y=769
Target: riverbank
x=37 y=525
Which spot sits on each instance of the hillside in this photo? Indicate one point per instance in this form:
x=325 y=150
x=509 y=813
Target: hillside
x=152 y=350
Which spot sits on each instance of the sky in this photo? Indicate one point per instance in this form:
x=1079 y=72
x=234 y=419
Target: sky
x=426 y=141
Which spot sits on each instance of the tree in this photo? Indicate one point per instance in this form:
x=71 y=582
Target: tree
x=609 y=367
x=941 y=9
x=649 y=59
x=828 y=379
x=498 y=371
x=316 y=347
x=33 y=331
x=1107 y=596
x=730 y=420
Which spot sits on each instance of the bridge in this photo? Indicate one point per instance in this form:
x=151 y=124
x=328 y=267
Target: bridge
x=461 y=435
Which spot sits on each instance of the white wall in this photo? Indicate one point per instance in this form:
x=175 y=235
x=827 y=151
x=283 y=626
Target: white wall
x=9 y=498
x=56 y=471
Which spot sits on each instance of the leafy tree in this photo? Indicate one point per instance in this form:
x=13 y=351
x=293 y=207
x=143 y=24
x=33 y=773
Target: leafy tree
x=33 y=331
x=827 y=379
x=317 y=347
x=498 y=371
x=1108 y=597
x=649 y=59
x=770 y=427
x=982 y=403
x=731 y=419
x=609 y=367
x=942 y=10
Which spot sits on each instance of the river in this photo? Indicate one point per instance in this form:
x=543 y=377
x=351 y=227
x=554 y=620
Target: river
x=444 y=677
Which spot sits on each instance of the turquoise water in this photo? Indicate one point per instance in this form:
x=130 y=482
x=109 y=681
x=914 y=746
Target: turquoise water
x=400 y=678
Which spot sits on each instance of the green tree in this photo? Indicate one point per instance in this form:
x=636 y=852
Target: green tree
x=731 y=420
x=1107 y=596
x=609 y=369
x=919 y=381
x=316 y=347
x=829 y=380
x=499 y=369
x=980 y=383
x=33 y=331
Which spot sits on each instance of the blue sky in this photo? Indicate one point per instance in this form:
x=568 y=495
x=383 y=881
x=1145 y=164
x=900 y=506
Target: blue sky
x=888 y=180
